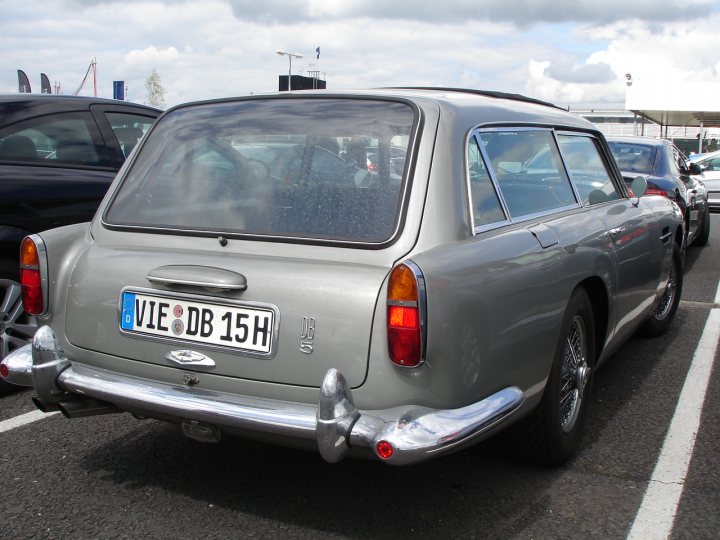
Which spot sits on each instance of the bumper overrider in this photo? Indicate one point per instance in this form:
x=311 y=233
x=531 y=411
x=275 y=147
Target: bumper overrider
x=400 y=436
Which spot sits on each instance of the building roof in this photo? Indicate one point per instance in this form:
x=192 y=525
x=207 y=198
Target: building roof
x=676 y=103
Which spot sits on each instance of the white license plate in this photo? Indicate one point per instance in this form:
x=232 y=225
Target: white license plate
x=242 y=327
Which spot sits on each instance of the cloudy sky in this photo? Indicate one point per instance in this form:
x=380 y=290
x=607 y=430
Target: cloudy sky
x=563 y=51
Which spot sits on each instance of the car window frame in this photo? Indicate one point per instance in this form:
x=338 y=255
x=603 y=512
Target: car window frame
x=99 y=112
x=106 y=162
x=600 y=144
x=509 y=219
x=403 y=197
x=603 y=155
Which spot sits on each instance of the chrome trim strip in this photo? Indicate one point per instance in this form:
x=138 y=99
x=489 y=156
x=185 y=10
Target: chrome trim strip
x=43 y=264
x=207 y=277
x=422 y=309
x=190 y=283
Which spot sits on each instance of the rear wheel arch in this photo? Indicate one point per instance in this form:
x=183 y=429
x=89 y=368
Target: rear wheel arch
x=597 y=292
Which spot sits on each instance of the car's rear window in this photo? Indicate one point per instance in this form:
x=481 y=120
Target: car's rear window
x=632 y=157
x=318 y=168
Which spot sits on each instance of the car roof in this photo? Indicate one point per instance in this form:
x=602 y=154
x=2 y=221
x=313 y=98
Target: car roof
x=492 y=107
x=18 y=106
x=637 y=139
x=62 y=98
x=708 y=155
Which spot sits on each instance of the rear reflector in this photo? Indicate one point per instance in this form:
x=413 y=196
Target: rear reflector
x=655 y=191
x=384 y=449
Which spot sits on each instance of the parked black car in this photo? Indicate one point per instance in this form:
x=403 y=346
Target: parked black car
x=58 y=155
x=670 y=173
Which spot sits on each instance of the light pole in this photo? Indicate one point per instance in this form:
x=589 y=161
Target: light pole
x=290 y=57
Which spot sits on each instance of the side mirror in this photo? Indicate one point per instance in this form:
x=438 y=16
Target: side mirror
x=694 y=168
x=639 y=186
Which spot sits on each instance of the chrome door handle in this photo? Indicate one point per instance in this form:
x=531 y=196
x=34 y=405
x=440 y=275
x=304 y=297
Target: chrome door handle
x=616 y=231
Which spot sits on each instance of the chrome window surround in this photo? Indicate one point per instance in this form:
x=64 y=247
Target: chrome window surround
x=601 y=154
x=403 y=195
x=475 y=134
x=422 y=310
x=43 y=268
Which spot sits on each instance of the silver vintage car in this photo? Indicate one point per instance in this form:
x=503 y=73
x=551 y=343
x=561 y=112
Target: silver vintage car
x=253 y=270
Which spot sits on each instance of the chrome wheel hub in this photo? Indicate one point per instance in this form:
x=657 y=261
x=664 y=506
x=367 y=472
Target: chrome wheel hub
x=668 y=298
x=574 y=375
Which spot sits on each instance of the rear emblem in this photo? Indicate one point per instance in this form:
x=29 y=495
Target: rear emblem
x=186 y=357
x=307 y=334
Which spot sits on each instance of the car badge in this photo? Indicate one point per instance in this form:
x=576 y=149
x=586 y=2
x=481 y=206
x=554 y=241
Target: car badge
x=307 y=335
x=186 y=357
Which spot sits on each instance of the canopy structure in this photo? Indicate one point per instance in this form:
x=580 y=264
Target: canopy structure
x=695 y=104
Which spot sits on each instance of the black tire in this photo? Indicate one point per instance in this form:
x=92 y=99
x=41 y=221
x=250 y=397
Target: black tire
x=551 y=434
x=704 y=236
x=662 y=317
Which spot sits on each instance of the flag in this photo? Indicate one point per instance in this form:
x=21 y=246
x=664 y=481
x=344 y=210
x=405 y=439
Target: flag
x=45 y=84
x=318 y=53
x=23 y=83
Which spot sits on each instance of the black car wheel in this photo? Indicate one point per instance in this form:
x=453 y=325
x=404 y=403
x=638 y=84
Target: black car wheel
x=17 y=328
x=704 y=235
x=551 y=434
x=660 y=320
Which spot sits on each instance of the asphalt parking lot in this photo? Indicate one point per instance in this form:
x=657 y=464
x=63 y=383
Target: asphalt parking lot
x=117 y=477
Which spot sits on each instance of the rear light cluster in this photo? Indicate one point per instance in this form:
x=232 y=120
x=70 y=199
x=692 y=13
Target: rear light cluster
x=33 y=274
x=649 y=191
x=406 y=315
x=656 y=191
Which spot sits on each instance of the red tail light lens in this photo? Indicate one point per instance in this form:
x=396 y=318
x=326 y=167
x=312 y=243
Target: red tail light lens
x=656 y=191
x=384 y=449
x=405 y=317
x=31 y=278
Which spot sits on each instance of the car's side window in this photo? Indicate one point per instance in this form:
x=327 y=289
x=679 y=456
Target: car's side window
x=486 y=205
x=712 y=165
x=527 y=166
x=57 y=139
x=673 y=161
x=587 y=169
x=128 y=129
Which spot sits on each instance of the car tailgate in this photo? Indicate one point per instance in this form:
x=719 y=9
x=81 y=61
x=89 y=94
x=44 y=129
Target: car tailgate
x=319 y=311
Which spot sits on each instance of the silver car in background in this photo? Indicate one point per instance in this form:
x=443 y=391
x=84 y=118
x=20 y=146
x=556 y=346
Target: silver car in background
x=249 y=273
x=710 y=166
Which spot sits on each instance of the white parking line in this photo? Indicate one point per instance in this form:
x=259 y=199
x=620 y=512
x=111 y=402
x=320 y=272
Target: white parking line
x=27 y=418
x=662 y=497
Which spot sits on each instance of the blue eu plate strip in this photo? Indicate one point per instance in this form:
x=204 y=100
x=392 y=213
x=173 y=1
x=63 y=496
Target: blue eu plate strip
x=127 y=317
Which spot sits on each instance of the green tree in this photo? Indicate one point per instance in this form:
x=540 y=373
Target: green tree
x=155 y=95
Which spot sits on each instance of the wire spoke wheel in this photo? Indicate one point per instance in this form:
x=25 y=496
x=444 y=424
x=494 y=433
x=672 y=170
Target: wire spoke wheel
x=574 y=374
x=665 y=306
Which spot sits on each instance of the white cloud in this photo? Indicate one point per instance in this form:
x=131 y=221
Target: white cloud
x=218 y=48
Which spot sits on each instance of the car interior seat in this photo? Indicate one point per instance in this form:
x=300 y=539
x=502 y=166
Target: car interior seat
x=17 y=147
x=76 y=152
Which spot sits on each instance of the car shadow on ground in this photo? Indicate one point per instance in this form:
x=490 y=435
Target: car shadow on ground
x=358 y=498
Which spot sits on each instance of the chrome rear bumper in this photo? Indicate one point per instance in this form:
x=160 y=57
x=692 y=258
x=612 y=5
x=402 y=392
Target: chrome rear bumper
x=402 y=435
